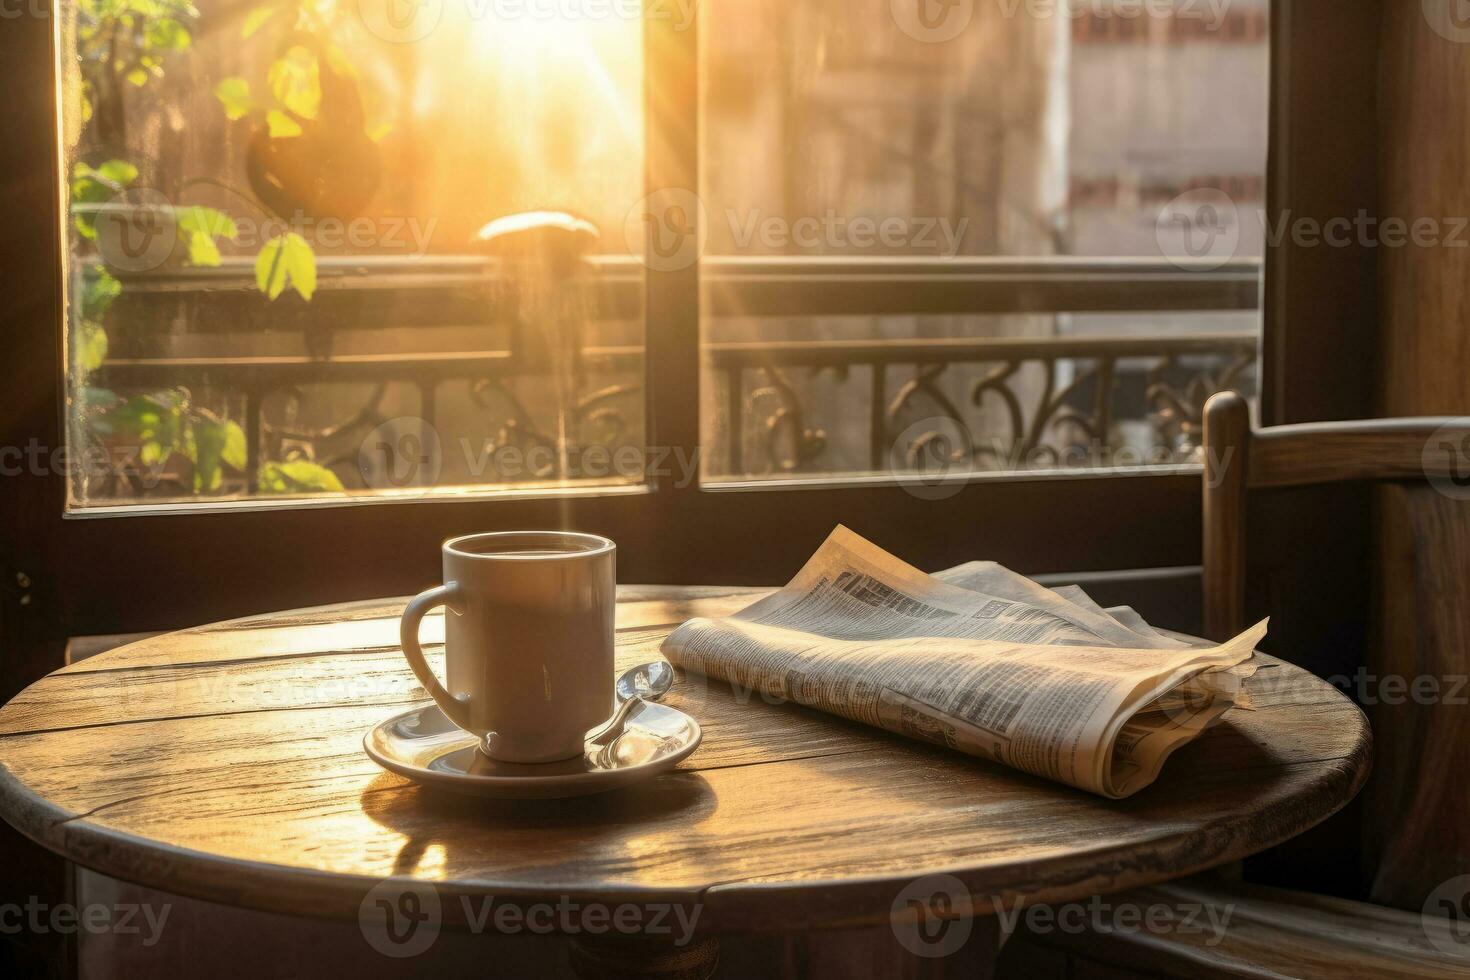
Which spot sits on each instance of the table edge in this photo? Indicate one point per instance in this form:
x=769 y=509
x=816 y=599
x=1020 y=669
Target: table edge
x=727 y=906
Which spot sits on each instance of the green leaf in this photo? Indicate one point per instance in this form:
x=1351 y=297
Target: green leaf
x=270 y=269
x=203 y=251
x=197 y=219
x=167 y=34
x=137 y=77
x=91 y=346
x=234 y=95
x=296 y=82
x=338 y=62
x=156 y=423
x=298 y=476
x=256 y=19
x=282 y=126
x=94 y=185
x=207 y=472
x=235 y=451
x=99 y=289
x=118 y=172
x=218 y=444
x=202 y=226
x=287 y=259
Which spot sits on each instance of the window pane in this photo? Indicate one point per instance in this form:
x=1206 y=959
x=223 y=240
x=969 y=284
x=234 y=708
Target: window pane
x=976 y=236
x=323 y=249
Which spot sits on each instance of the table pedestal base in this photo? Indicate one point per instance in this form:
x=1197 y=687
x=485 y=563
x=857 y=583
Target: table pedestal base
x=870 y=953
x=629 y=957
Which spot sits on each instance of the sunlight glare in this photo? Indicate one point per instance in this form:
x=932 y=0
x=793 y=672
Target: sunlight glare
x=544 y=54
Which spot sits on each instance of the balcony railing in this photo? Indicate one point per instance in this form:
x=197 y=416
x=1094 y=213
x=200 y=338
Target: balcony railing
x=210 y=330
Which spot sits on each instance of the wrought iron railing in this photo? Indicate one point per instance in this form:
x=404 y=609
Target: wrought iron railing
x=1032 y=415
x=1037 y=394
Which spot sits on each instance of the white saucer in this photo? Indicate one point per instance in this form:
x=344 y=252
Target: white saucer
x=426 y=747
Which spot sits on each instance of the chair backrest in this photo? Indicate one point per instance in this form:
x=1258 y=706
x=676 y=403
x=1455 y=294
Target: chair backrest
x=1239 y=459
x=1416 y=808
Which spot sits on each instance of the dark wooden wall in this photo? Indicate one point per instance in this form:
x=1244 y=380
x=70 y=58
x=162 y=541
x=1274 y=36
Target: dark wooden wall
x=1371 y=116
x=1309 y=557
x=1419 y=801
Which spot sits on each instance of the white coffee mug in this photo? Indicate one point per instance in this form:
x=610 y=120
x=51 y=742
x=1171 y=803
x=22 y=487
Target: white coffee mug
x=528 y=634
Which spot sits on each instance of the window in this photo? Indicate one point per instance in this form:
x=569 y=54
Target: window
x=201 y=448
x=321 y=251
x=1031 y=232
x=318 y=249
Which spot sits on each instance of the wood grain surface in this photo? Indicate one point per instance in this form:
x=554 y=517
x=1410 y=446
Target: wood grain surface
x=1227 y=474
x=1418 y=806
x=1382 y=450
x=225 y=763
x=1264 y=933
x=1423 y=546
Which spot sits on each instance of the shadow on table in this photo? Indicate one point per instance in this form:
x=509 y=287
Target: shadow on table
x=576 y=835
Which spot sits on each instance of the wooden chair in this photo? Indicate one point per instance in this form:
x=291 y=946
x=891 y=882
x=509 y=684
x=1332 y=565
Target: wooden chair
x=1239 y=459
x=1244 y=931
x=1423 y=798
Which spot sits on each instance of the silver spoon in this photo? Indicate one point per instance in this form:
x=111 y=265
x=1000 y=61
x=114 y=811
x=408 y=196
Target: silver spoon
x=649 y=682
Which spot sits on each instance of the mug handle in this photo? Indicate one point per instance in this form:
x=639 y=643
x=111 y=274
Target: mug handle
x=455 y=709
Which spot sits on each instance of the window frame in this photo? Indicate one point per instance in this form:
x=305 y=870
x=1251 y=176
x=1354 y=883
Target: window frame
x=147 y=571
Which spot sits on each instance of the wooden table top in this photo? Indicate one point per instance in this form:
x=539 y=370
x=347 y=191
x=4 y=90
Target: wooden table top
x=225 y=763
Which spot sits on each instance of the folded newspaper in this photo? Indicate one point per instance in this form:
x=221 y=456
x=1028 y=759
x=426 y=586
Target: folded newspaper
x=979 y=659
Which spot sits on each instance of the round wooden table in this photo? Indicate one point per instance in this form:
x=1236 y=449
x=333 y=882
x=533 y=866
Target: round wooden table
x=225 y=763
